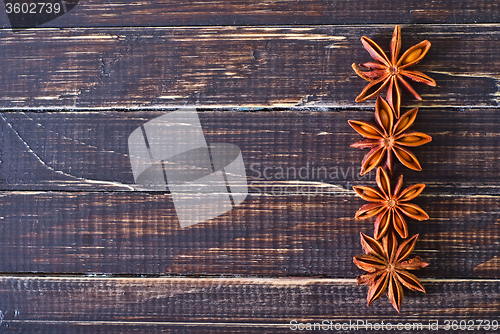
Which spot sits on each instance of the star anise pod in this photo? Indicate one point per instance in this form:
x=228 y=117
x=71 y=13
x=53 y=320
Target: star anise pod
x=386 y=137
x=390 y=205
x=387 y=265
x=388 y=72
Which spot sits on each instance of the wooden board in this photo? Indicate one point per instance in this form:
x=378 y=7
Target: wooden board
x=74 y=151
x=100 y=13
x=236 y=66
x=85 y=250
x=122 y=233
x=226 y=305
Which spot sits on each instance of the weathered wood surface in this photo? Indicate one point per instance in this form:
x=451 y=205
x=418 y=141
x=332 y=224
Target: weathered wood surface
x=69 y=190
x=138 y=233
x=257 y=305
x=102 y=13
x=234 y=66
x=73 y=151
x=69 y=205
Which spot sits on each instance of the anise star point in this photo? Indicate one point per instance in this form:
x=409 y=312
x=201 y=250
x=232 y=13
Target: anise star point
x=390 y=206
x=389 y=73
x=387 y=137
x=387 y=265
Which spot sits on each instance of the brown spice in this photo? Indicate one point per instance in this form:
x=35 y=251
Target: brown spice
x=390 y=206
x=387 y=260
x=388 y=72
x=387 y=137
x=387 y=264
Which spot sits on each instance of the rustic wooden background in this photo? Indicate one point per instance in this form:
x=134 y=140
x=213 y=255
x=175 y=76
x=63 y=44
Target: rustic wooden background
x=83 y=251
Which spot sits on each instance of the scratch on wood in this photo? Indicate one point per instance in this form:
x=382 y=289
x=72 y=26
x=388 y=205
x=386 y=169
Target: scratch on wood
x=490 y=267
x=18 y=136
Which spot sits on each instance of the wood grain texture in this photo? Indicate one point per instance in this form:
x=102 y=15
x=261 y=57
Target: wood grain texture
x=68 y=190
x=231 y=305
x=138 y=233
x=70 y=97
x=74 y=151
x=102 y=13
x=305 y=66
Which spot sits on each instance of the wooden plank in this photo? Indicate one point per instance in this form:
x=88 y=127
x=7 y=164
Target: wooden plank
x=181 y=12
x=138 y=233
x=40 y=327
x=74 y=151
x=229 y=304
x=69 y=204
x=306 y=66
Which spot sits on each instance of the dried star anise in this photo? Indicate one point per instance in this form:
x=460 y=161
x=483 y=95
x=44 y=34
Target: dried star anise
x=386 y=137
x=390 y=206
x=389 y=71
x=387 y=259
x=387 y=265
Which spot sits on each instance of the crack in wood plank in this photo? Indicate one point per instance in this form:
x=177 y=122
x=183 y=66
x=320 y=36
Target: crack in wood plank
x=45 y=165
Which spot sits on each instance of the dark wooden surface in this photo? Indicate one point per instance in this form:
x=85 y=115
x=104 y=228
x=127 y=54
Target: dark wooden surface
x=76 y=165
x=84 y=250
x=222 y=305
x=114 y=13
x=234 y=66
x=76 y=151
